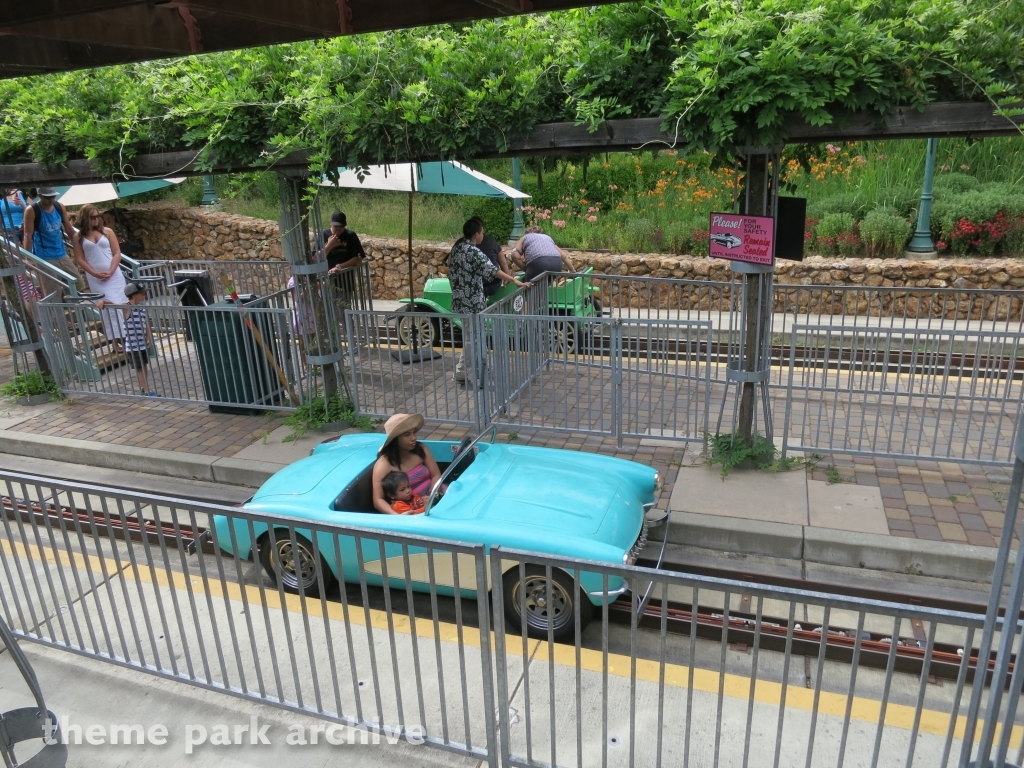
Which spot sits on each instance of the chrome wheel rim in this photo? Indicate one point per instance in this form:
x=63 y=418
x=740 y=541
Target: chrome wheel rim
x=533 y=590
x=291 y=571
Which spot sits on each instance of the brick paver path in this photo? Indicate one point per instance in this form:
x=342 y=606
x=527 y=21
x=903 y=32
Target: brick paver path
x=169 y=426
x=933 y=500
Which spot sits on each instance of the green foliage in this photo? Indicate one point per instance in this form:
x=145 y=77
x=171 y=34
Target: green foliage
x=729 y=451
x=832 y=476
x=315 y=413
x=834 y=224
x=885 y=232
x=954 y=183
x=496 y=213
x=975 y=206
x=718 y=73
x=31 y=383
x=903 y=200
x=636 y=235
x=847 y=204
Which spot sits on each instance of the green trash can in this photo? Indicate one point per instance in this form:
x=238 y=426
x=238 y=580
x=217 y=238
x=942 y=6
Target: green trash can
x=236 y=373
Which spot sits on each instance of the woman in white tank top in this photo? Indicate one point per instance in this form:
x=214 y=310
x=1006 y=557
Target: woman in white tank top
x=99 y=256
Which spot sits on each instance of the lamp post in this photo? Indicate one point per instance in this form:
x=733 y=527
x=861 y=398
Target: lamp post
x=921 y=244
x=517 y=205
x=209 y=193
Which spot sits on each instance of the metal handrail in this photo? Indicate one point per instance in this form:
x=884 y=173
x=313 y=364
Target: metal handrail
x=44 y=266
x=455 y=461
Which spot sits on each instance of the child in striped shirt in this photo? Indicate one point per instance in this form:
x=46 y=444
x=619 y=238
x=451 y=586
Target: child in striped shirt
x=137 y=334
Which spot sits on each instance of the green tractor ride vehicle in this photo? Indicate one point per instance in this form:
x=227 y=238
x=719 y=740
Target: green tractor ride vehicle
x=423 y=324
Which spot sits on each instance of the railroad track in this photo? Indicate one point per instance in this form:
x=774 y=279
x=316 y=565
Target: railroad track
x=740 y=628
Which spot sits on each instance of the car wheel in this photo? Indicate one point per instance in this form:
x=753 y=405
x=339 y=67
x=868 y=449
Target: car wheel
x=533 y=590
x=295 y=564
x=416 y=329
x=562 y=338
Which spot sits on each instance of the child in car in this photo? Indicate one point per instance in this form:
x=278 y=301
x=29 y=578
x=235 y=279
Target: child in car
x=399 y=495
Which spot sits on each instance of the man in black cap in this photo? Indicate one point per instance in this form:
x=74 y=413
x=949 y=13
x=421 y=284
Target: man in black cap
x=342 y=249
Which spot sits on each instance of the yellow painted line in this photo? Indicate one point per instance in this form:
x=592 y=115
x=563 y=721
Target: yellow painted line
x=707 y=681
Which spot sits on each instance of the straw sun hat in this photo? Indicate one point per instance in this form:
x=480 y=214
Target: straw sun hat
x=399 y=424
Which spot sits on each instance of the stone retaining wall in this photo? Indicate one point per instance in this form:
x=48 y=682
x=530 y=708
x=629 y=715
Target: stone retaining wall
x=189 y=233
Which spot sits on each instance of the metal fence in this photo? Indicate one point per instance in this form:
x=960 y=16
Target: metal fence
x=647 y=357
x=226 y=357
x=682 y=670
x=904 y=392
x=129 y=579
x=592 y=375
x=257 y=278
x=724 y=673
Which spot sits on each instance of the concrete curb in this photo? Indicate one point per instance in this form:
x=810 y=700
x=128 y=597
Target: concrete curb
x=152 y=461
x=831 y=547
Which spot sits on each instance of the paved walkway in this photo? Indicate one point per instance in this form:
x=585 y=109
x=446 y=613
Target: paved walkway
x=921 y=499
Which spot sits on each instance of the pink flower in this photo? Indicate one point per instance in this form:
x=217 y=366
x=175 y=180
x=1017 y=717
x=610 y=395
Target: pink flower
x=859 y=160
x=832 y=149
x=558 y=223
x=613 y=186
x=944 y=168
x=591 y=218
x=940 y=245
x=561 y=205
x=591 y=209
x=965 y=167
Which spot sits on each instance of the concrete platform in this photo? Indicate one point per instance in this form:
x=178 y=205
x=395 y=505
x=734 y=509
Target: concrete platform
x=374 y=658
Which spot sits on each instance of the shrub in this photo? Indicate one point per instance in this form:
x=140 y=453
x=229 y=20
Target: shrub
x=1013 y=241
x=636 y=234
x=903 y=200
x=833 y=224
x=496 y=212
x=677 y=236
x=31 y=383
x=982 y=237
x=976 y=206
x=885 y=232
x=848 y=244
x=954 y=183
x=700 y=242
x=847 y=204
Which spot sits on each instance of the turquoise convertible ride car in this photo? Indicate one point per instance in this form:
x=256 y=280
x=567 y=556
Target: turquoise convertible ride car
x=543 y=500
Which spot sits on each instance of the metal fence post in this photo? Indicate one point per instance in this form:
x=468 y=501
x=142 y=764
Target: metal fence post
x=1009 y=625
x=618 y=412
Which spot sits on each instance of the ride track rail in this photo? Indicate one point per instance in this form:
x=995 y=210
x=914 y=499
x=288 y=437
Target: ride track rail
x=741 y=628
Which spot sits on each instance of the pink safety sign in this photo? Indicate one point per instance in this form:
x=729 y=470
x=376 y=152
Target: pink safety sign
x=743 y=238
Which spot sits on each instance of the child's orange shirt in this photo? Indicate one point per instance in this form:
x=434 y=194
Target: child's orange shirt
x=413 y=507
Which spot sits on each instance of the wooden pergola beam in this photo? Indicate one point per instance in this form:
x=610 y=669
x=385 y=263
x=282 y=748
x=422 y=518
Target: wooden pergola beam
x=124 y=31
x=939 y=120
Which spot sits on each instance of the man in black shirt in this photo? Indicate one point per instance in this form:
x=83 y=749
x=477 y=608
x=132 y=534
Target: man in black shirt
x=493 y=251
x=342 y=249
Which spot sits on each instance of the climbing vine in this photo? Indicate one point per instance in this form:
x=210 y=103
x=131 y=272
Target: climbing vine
x=718 y=72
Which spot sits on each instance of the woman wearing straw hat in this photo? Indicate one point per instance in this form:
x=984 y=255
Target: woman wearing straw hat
x=403 y=453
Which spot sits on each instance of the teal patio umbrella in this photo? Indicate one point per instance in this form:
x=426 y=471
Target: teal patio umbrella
x=445 y=177
x=83 y=194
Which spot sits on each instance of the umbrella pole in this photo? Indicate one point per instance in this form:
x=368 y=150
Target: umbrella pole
x=412 y=296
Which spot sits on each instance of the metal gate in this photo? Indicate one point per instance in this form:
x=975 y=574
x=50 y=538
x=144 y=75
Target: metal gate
x=916 y=393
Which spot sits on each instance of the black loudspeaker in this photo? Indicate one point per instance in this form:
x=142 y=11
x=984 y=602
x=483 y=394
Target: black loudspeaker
x=789 y=228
